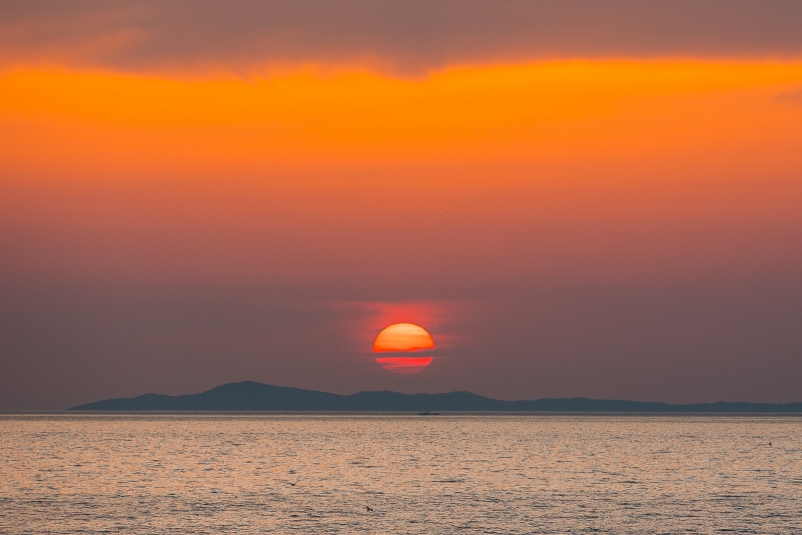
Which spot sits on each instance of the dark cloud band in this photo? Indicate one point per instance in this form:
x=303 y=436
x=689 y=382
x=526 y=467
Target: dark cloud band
x=412 y=36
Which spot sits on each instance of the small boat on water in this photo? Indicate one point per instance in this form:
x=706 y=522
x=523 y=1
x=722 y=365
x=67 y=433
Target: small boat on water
x=427 y=413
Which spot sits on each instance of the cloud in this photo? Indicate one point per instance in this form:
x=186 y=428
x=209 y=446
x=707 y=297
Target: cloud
x=792 y=96
x=413 y=36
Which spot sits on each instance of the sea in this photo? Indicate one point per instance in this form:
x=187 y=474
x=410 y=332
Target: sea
x=388 y=473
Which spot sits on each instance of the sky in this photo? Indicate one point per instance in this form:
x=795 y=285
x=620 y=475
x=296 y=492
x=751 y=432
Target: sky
x=595 y=199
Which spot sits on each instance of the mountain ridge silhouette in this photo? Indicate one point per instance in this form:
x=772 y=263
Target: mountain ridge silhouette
x=247 y=396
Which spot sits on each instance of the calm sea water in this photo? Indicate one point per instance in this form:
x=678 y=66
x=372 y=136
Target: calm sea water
x=440 y=474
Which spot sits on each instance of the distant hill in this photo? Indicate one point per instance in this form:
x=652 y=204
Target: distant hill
x=251 y=396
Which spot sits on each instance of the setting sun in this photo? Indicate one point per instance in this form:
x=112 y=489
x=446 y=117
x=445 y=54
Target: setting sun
x=403 y=337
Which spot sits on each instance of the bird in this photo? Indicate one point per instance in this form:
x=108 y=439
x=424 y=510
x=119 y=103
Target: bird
x=368 y=508
x=292 y=484
x=769 y=443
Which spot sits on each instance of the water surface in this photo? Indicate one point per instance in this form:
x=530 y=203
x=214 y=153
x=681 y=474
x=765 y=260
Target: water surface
x=188 y=474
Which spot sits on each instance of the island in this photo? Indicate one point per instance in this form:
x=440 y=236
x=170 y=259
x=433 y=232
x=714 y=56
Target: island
x=249 y=396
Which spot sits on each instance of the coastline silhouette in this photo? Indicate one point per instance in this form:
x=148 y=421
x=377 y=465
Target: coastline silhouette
x=252 y=396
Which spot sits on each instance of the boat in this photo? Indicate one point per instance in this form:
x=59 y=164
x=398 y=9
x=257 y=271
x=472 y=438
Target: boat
x=427 y=413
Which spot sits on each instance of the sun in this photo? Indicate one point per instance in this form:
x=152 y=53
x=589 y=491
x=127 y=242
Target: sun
x=403 y=337
x=403 y=340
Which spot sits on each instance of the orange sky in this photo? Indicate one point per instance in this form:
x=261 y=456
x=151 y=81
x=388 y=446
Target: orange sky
x=175 y=179
x=714 y=115
x=576 y=195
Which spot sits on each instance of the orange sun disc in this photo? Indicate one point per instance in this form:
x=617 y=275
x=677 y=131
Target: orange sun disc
x=403 y=337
